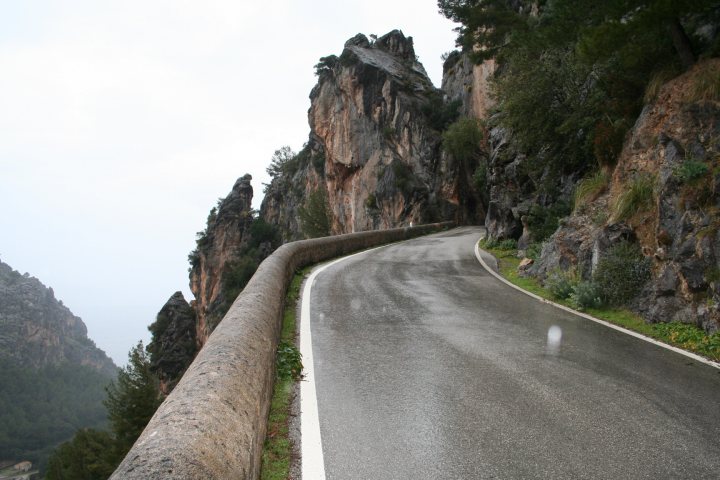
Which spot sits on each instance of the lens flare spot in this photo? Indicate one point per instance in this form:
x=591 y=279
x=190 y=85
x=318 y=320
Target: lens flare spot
x=554 y=338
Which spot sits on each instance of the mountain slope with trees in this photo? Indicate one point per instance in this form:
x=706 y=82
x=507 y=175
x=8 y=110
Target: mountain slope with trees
x=53 y=377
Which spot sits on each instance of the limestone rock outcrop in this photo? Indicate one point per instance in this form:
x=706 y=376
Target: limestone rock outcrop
x=373 y=147
x=219 y=248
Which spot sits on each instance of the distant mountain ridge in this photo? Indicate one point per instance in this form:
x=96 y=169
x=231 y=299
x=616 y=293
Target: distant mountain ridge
x=37 y=330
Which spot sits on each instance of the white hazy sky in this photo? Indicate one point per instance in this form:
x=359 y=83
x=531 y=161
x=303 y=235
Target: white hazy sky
x=123 y=121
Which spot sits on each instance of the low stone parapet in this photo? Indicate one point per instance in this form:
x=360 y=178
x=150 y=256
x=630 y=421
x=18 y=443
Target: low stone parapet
x=213 y=424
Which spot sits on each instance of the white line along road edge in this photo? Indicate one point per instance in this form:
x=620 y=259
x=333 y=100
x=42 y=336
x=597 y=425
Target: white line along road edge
x=590 y=317
x=313 y=462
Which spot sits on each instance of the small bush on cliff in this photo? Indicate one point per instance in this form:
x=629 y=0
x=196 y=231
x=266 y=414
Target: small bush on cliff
x=325 y=65
x=283 y=162
x=690 y=170
x=621 y=273
x=463 y=139
x=237 y=275
x=263 y=232
x=440 y=114
x=543 y=221
x=315 y=214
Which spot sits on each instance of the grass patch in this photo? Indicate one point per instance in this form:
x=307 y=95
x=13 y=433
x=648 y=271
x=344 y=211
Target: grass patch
x=681 y=335
x=705 y=86
x=638 y=196
x=278 y=447
x=589 y=188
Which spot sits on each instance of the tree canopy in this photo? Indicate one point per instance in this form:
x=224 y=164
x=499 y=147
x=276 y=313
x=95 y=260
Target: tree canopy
x=131 y=401
x=573 y=73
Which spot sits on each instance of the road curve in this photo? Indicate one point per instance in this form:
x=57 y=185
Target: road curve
x=427 y=367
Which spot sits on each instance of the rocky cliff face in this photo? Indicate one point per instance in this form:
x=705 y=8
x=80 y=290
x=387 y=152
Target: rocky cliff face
x=219 y=249
x=374 y=146
x=674 y=147
x=38 y=330
x=469 y=83
x=228 y=252
x=174 y=342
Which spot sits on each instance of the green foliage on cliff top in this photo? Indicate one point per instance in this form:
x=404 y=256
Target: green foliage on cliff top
x=574 y=72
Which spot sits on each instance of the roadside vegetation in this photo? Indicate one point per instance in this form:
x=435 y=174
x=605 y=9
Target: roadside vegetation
x=606 y=301
x=131 y=401
x=278 y=449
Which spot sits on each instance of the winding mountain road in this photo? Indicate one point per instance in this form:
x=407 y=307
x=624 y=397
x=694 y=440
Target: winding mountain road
x=427 y=367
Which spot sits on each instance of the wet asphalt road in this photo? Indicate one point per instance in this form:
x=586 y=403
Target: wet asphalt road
x=427 y=367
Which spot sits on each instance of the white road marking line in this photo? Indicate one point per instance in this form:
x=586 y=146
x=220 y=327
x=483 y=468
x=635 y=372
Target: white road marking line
x=313 y=462
x=695 y=357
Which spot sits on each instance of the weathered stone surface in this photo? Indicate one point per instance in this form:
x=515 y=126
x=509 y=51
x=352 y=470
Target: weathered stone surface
x=470 y=83
x=572 y=246
x=213 y=424
x=38 y=330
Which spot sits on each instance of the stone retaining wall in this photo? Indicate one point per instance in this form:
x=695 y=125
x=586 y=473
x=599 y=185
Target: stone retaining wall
x=213 y=424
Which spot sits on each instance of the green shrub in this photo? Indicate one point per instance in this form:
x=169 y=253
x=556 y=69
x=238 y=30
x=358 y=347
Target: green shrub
x=237 y=275
x=440 y=114
x=404 y=177
x=561 y=284
x=586 y=295
x=262 y=232
x=315 y=215
x=621 y=273
x=590 y=187
x=543 y=221
x=480 y=177
x=462 y=139
x=690 y=170
x=318 y=161
x=506 y=245
x=288 y=360
x=534 y=251
x=638 y=196
x=325 y=65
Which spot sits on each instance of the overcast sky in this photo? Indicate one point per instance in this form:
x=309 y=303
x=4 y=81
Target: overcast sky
x=122 y=122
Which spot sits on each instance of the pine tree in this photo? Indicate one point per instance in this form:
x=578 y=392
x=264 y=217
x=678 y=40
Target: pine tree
x=133 y=399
